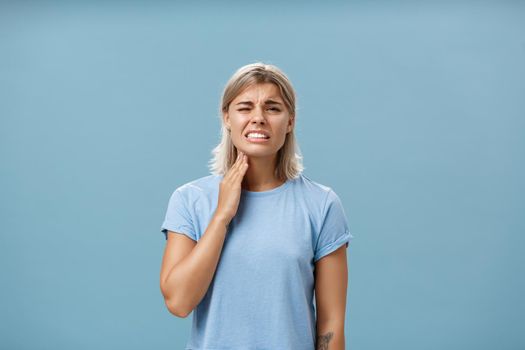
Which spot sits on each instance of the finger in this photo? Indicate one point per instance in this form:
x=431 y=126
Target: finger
x=239 y=157
x=241 y=170
x=237 y=163
x=235 y=166
x=240 y=160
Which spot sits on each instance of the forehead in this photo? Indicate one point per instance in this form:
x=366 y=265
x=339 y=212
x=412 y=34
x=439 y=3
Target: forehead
x=261 y=91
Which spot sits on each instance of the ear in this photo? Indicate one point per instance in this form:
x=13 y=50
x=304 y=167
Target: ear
x=291 y=123
x=226 y=119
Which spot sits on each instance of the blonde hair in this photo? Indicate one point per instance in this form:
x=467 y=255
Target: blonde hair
x=289 y=158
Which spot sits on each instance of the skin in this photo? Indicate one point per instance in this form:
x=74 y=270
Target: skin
x=188 y=266
x=331 y=279
x=259 y=114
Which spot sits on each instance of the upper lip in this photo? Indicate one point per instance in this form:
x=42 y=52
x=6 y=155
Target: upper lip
x=257 y=131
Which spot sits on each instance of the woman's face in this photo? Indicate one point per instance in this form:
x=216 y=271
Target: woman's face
x=259 y=107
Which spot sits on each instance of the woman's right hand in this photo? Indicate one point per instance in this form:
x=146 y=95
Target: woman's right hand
x=230 y=188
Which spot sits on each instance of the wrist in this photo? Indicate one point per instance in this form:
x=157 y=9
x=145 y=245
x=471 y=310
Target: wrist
x=222 y=219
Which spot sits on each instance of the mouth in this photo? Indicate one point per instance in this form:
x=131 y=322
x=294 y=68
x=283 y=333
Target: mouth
x=257 y=137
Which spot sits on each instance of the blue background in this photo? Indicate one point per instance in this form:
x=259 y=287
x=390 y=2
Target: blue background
x=412 y=111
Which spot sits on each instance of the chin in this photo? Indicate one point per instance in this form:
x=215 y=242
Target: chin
x=258 y=153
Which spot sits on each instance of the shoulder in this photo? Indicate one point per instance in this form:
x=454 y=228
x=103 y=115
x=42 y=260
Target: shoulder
x=194 y=189
x=319 y=198
x=314 y=190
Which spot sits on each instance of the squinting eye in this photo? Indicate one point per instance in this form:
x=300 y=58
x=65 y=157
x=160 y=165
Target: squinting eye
x=272 y=108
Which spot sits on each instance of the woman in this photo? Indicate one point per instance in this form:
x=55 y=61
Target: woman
x=248 y=245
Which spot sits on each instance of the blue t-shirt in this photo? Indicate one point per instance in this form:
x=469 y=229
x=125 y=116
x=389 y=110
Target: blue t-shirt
x=262 y=293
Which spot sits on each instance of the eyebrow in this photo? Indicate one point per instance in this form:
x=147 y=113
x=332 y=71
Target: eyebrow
x=268 y=102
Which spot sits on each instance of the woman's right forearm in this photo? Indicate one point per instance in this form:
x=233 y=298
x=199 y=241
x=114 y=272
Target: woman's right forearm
x=188 y=281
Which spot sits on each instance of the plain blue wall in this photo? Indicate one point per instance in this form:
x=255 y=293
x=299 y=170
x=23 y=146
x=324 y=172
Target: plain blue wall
x=412 y=111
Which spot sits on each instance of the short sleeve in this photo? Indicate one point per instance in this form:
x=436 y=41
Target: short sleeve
x=334 y=230
x=178 y=218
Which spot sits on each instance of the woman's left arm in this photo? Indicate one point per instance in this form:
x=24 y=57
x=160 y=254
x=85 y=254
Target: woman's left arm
x=331 y=279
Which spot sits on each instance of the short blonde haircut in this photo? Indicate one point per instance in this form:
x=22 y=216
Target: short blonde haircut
x=289 y=158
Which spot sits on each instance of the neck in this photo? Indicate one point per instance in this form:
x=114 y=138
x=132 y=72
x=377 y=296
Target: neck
x=260 y=175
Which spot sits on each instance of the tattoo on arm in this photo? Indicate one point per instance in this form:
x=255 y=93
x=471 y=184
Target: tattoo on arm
x=323 y=340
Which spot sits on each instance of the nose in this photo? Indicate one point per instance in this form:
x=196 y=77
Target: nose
x=258 y=116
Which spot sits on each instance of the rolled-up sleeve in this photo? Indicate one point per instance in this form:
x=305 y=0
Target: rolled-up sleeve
x=334 y=230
